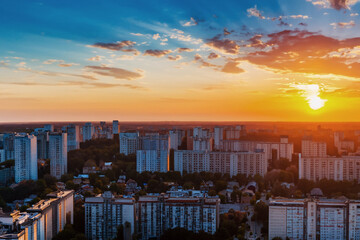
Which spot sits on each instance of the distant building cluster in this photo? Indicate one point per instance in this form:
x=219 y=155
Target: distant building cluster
x=151 y=215
x=46 y=143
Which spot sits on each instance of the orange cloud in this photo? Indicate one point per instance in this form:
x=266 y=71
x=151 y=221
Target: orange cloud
x=118 y=73
x=157 y=53
x=231 y=67
x=306 y=52
x=123 y=46
x=226 y=46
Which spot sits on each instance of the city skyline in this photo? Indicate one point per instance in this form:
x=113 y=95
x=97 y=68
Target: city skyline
x=248 y=60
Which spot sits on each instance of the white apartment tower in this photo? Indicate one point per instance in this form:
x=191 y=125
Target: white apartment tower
x=310 y=148
x=115 y=127
x=129 y=143
x=103 y=215
x=88 y=131
x=154 y=153
x=233 y=163
x=25 y=147
x=313 y=219
x=73 y=137
x=192 y=210
x=335 y=168
x=58 y=154
x=152 y=161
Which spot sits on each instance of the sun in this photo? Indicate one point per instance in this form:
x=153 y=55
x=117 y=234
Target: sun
x=316 y=103
x=311 y=92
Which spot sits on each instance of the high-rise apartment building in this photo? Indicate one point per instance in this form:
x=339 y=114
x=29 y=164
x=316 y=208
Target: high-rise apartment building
x=313 y=219
x=154 y=153
x=40 y=222
x=115 y=127
x=310 y=148
x=7 y=144
x=192 y=210
x=25 y=157
x=42 y=144
x=335 y=168
x=58 y=154
x=129 y=143
x=233 y=163
x=105 y=213
x=227 y=133
x=283 y=149
x=73 y=137
x=176 y=138
x=152 y=161
x=202 y=139
x=88 y=131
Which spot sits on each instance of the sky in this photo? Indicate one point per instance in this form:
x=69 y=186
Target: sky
x=241 y=60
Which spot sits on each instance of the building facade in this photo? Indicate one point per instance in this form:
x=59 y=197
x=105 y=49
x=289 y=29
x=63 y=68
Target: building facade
x=233 y=163
x=152 y=161
x=25 y=157
x=73 y=137
x=58 y=154
x=43 y=220
x=115 y=127
x=103 y=215
x=310 y=148
x=129 y=143
x=88 y=131
x=335 y=168
x=313 y=219
x=192 y=210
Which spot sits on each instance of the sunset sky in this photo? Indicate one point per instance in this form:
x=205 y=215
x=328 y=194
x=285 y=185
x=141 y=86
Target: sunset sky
x=241 y=60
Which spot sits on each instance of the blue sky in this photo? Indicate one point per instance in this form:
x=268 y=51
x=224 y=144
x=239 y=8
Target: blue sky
x=160 y=51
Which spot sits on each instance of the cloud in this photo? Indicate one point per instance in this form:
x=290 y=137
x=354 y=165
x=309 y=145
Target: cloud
x=213 y=55
x=179 y=35
x=342 y=4
x=306 y=52
x=61 y=63
x=227 y=32
x=97 y=58
x=336 y=4
x=231 y=67
x=117 y=73
x=123 y=46
x=180 y=50
x=66 y=64
x=174 y=58
x=299 y=16
x=137 y=34
x=203 y=63
x=256 y=42
x=343 y=24
x=354 y=14
x=156 y=36
x=56 y=74
x=3 y=64
x=191 y=22
x=254 y=12
x=77 y=83
x=226 y=46
x=157 y=53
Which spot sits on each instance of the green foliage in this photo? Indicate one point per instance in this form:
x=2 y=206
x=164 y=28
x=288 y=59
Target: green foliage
x=69 y=233
x=183 y=234
x=7 y=164
x=79 y=216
